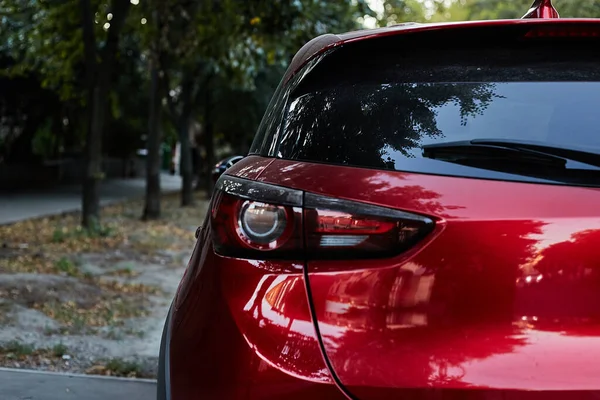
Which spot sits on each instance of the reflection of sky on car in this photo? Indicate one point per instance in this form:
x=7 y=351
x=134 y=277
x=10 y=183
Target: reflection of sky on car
x=533 y=367
x=563 y=231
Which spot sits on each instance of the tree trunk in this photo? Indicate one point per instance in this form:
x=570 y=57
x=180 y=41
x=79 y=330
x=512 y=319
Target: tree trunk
x=98 y=79
x=209 y=142
x=93 y=145
x=93 y=160
x=199 y=167
x=186 y=168
x=152 y=207
x=209 y=145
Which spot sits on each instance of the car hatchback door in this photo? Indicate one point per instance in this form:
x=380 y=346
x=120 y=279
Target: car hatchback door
x=445 y=271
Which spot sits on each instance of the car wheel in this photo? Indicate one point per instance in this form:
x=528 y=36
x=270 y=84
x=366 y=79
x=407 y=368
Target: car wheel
x=161 y=387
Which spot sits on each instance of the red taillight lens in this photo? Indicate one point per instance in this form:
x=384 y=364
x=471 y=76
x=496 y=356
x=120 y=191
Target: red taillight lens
x=335 y=222
x=262 y=224
x=259 y=221
x=256 y=220
x=341 y=229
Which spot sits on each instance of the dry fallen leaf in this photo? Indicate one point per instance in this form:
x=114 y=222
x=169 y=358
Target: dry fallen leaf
x=52 y=245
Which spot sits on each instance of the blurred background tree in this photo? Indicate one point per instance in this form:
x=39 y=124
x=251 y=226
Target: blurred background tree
x=86 y=82
x=496 y=9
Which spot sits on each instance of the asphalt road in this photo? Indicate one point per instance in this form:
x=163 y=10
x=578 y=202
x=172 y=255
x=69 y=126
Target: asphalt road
x=35 y=385
x=17 y=206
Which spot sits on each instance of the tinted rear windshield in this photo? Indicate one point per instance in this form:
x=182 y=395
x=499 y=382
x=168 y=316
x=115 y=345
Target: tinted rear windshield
x=381 y=108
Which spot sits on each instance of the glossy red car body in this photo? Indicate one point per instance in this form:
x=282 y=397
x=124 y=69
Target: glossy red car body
x=511 y=271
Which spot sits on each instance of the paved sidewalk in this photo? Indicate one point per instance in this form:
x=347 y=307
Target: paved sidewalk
x=38 y=203
x=36 y=385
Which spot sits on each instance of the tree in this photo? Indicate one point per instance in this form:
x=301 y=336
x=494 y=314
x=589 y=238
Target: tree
x=38 y=45
x=497 y=9
x=193 y=27
x=224 y=45
x=399 y=11
x=74 y=55
x=152 y=203
x=99 y=63
x=32 y=125
x=237 y=112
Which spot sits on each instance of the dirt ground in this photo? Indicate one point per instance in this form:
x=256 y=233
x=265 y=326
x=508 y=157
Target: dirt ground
x=92 y=301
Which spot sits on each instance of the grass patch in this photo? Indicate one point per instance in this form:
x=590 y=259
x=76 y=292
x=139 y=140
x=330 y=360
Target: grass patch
x=38 y=245
x=17 y=355
x=67 y=266
x=91 y=303
x=124 y=368
x=16 y=350
x=115 y=333
x=126 y=272
x=118 y=367
x=59 y=350
x=64 y=233
x=127 y=288
x=81 y=305
x=5 y=309
x=112 y=312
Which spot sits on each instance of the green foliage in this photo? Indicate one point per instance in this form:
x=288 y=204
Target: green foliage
x=42 y=40
x=120 y=367
x=399 y=11
x=498 y=9
x=44 y=140
x=44 y=36
x=67 y=266
x=238 y=112
x=219 y=59
x=237 y=39
x=96 y=230
x=59 y=350
x=15 y=349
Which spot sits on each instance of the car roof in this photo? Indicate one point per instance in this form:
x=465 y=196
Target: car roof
x=327 y=41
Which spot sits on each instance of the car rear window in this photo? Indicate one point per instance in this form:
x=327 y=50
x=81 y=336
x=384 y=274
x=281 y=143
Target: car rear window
x=376 y=106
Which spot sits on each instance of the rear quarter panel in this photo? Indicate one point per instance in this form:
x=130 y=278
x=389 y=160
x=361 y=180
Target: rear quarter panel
x=506 y=296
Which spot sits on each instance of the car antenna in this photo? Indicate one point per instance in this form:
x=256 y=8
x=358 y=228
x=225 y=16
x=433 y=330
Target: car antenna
x=541 y=9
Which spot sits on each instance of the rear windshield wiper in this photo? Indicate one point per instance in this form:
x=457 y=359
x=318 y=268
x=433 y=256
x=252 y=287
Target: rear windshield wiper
x=556 y=162
x=516 y=149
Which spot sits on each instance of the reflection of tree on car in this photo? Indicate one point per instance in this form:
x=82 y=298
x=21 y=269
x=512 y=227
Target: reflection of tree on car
x=373 y=121
x=465 y=300
x=563 y=284
x=278 y=314
x=478 y=284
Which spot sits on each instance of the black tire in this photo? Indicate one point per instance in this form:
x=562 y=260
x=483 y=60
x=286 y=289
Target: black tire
x=161 y=386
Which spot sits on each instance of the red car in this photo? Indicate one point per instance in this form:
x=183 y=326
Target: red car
x=418 y=218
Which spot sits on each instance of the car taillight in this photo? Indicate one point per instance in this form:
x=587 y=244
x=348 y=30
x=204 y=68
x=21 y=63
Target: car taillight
x=257 y=225
x=341 y=229
x=263 y=225
x=255 y=220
